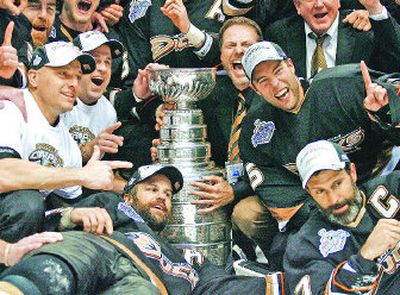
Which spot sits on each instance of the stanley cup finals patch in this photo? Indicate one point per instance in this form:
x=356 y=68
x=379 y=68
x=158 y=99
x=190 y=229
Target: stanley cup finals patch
x=262 y=132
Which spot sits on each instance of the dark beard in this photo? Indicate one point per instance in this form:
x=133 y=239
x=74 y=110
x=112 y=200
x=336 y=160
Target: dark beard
x=350 y=215
x=155 y=224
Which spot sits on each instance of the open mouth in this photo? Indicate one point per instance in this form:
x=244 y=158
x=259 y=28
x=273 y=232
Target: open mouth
x=282 y=93
x=39 y=28
x=340 y=209
x=237 y=66
x=159 y=206
x=320 y=15
x=84 y=5
x=97 y=81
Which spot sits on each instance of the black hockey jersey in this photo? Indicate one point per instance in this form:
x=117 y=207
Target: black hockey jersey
x=324 y=258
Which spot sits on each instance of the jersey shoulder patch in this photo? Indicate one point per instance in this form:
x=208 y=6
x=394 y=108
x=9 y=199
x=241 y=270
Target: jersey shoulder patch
x=138 y=9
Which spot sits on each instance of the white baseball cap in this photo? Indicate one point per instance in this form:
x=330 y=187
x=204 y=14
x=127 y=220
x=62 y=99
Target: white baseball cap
x=59 y=54
x=260 y=52
x=91 y=40
x=320 y=155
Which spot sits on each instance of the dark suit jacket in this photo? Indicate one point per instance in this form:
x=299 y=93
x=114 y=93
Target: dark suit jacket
x=219 y=110
x=379 y=48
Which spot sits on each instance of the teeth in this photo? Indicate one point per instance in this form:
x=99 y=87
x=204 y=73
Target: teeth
x=282 y=93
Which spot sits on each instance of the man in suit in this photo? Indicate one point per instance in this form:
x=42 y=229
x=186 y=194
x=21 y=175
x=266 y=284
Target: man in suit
x=379 y=47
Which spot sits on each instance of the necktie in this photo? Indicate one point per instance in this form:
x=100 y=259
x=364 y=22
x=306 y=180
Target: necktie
x=233 y=146
x=318 y=60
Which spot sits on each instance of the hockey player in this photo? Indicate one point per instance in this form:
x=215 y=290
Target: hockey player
x=39 y=158
x=93 y=119
x=351 y=244
x=338 y=105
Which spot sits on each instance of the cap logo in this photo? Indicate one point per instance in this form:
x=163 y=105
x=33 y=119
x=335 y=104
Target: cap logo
x=86 y=67
x=37 y=60
x=90 y=34
x=131 y=181
x=344 y=157
x=56 y=45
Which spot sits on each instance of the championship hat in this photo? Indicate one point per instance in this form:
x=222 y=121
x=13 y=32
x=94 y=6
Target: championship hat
x=91 y=40
x=260 y=52
x=145 y=172
x=317 y=156
x=59 y=54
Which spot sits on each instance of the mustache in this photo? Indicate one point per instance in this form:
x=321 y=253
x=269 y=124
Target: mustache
x=160 y=204
x=40 y=37
x=339 y=205
x=42 y=23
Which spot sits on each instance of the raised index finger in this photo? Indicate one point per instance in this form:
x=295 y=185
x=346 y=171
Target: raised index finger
x=8 y=34
x=118 y=164
x=113 y=127
x=365 y=74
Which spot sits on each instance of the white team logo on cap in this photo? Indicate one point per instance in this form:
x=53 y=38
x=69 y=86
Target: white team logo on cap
x=37 y=60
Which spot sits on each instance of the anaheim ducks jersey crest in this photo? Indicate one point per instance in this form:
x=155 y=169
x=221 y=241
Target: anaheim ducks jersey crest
x=151 y=249
x=81 y=135
x=162 y=45
x=351 y=141
x=46 y=155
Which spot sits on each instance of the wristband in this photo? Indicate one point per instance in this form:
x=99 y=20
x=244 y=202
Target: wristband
x=195 y=36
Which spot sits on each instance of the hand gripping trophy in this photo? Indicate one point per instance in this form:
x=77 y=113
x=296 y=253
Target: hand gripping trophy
x=184 y=145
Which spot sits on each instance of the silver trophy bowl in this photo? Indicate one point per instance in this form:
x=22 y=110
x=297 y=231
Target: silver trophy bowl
x=183 y=86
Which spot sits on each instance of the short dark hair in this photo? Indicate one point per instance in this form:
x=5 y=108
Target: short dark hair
x=240 y=20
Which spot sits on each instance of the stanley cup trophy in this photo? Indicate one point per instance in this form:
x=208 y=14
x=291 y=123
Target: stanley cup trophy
x=184 y=145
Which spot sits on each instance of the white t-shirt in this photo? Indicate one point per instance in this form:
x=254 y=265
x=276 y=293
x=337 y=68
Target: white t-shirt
x=85 y=122
x=37 y=141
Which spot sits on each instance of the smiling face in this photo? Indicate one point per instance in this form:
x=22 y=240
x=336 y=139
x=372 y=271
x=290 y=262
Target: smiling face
x=277 y=83
x=151 y=198
x=235 y=40
x=77 y=14
x=55 y=89
x=318 y=14
x=336 y=194
x=94 y=85
x=41 y=14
